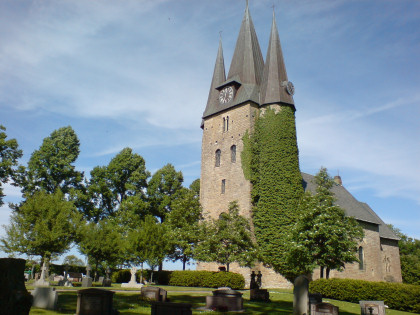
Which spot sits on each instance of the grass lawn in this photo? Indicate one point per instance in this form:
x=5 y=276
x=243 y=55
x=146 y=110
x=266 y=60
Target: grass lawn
x=128 y=302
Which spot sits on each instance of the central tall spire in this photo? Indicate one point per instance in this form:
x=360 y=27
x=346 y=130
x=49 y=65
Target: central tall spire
x=247 y=61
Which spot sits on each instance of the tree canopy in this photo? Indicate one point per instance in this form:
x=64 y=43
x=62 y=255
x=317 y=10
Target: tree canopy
x=227 y=240
x=9 y=155
x=323 y=235
x=162 y=189
x=51 y=167
x=124 y=178
x=183 y=222
x=44 y=224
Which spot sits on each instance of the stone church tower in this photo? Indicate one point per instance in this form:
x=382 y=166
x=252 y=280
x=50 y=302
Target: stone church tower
x=233 y=104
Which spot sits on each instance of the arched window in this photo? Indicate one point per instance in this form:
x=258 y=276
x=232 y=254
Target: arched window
x=361 y=262
x=227 y=123
x=218 y=153
x=233 y=153
x=223 y=186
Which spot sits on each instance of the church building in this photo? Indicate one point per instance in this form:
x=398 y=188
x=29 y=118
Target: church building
x=232 y=107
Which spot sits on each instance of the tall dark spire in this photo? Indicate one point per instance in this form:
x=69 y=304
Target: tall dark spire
x=219 y=76
x=247 y=62
x=274 y=80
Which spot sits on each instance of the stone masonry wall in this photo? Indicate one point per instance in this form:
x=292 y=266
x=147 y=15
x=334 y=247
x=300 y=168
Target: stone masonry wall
x=391 y=264
x=212 y=199
x=372 y=261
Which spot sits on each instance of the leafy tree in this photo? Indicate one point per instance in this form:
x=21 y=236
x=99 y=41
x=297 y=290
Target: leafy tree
x=195 y=187
x=183 y=223
x=125 y=177
x=323 y=235
x=162 y=189
x=51 y=166
x=149 y=243
x=410 y=257
x=227 y=240
x=270 y=161
x=44 y=224
x=73 y=260
x=101 y=242
x=9 y=154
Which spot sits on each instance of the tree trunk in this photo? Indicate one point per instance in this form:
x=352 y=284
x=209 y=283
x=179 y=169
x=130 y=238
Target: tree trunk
x=328 y=273
x=321 y=275
x=227 y=267
x=184 y=261
x=141 y=273
x=160 y=266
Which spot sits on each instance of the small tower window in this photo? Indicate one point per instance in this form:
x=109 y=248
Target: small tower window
x=233 y=153
x=361 y=262
x=218 y=153
x=223 y=186
x=227 y=123
x=224 y=124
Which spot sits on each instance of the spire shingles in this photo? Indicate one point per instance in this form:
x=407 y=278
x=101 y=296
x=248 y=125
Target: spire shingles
x=247 y=62
x=274 y=79
x=219 y=76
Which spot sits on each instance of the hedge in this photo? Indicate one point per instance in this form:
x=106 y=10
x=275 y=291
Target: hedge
x=208 y=279
x=398 y=296
x=124 y=275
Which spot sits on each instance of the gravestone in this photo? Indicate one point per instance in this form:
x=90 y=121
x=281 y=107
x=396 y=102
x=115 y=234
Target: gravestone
x=14 y=298
x=45 y=297
x=133 y=283
x=154 y=294
x=315 y=298
x=225 y=300
x=372 y=307
x=300 y=296
x=42 y=281
x=95 y=302
x=87 y=281
x=107 y=281
x=168 y=308
x=255 y=292
x=324 y=309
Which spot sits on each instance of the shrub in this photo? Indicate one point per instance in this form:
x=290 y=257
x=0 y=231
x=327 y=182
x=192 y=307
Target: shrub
x=124 y=275
x=399 y=296
x=208 y=279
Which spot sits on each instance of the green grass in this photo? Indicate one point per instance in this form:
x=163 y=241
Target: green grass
x=129 y=303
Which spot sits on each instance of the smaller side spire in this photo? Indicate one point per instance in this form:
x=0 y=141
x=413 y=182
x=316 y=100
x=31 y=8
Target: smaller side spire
x=274 y=79
x=219 y=76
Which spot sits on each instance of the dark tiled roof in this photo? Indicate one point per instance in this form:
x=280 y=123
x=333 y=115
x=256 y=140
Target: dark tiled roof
x=354 y=208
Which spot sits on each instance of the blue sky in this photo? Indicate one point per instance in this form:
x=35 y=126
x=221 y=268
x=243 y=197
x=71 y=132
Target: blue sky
x=137 y=73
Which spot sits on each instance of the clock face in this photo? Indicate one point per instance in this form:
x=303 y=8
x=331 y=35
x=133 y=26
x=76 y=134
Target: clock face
x=226 y=95
x=290 y=88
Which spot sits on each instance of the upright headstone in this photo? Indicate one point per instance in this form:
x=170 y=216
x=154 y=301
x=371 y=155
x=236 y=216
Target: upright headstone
x=372 y=307
x=133 y=283
x=14 y=298
x=95 y=302
x=45 y=297
x=42 y=281
x=107 y=281
x=87 y=281
x=301 y=296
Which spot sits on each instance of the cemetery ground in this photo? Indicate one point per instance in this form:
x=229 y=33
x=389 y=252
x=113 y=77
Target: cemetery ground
x=128 y=301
